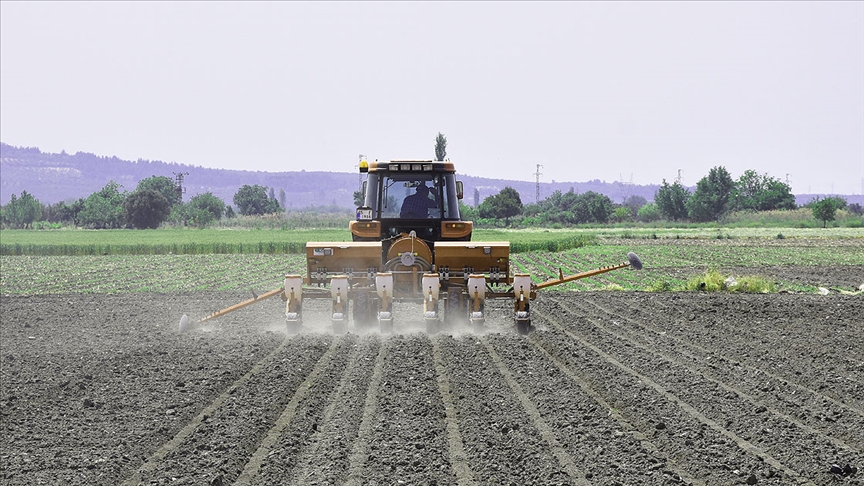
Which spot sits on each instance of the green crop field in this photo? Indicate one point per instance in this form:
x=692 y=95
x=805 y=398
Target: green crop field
x=231 y=241
x=161 y=241
x=669 y=258
x=673 y=259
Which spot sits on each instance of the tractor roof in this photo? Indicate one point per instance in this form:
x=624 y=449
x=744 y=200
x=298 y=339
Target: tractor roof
x=408 y=166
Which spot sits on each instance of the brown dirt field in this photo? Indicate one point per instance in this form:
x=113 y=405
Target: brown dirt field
x=613 y=388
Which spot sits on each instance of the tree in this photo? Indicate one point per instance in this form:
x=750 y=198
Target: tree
x=466 y=212
x=571 y=208
x=593 y=207
x=62 y=212
x=671 y=200
x=622 y=214
x=75 y=210
x=22 y=212
x=824 y=210
x=104 y=208
x=648 y=213
x=634 y=203
x=505 y=204
x=710 y=200
x=760 y=193
x=208 y=202
x=163 y=185
x=253 y=200
x=146 y=209
x=201 y=210
x=282 y=198
x=440 y=146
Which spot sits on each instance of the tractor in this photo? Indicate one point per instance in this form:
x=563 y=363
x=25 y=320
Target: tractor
x=410 y=245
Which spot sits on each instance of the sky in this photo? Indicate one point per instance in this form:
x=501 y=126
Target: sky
x=614 y=91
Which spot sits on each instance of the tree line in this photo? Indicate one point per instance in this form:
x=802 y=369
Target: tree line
x=157 y=200
x=715 y=196
x=154 y=201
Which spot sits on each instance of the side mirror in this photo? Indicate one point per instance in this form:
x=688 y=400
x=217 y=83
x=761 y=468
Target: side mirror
x=459 y=192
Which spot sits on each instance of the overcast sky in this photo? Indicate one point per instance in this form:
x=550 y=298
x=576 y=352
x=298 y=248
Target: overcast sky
x=608 y=90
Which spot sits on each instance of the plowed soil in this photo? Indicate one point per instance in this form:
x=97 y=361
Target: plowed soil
x=613 y=388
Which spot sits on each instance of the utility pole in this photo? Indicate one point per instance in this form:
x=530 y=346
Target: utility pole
x=537 y=189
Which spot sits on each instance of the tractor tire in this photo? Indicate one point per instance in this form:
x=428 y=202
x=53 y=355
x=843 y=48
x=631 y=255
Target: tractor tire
x=364 y=310
x=456 y=310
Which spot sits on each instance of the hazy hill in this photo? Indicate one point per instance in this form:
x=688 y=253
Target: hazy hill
x=63 y=177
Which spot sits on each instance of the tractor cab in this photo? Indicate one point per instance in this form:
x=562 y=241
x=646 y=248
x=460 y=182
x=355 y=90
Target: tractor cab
x=405 y=196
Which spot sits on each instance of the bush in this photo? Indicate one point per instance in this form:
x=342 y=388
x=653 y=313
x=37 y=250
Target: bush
x=659 y=285
x=648 y=213
x=714 y=281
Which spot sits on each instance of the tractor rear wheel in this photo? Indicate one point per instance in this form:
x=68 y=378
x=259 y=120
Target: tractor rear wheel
x=456 y=310
x=364 y=310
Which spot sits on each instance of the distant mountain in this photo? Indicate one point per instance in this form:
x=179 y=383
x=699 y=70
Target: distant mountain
x=63 y=177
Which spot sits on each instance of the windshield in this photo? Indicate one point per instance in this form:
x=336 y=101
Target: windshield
x=412 y=196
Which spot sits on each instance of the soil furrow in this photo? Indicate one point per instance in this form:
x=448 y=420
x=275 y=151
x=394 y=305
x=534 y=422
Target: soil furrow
x=155 y=460
x=633 y=387
x=324 y=459
x=782 y=398
x=766 y=429
x=501 y=443
x=648 y=464
x=223 y=443
x=456 y=447
x=360 y=449
x=409 y=440
x=769 y=331
x=564 y=459
x=265 y=448
x=91 y=385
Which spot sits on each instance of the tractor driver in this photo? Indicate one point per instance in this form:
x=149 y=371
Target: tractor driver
x=418 y=205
